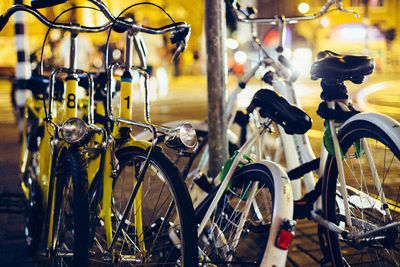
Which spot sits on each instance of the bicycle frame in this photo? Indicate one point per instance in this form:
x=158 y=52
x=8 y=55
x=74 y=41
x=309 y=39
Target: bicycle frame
x=283 y=204
x=302 y=146
x=52 y=143
x=119 y=138
x=391 y=128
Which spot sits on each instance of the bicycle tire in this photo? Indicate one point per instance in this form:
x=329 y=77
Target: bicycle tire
x=215 y=243
x=34 y=214
x=71 y=212
x=383 y=248
x=34 y=209
x=163 y=187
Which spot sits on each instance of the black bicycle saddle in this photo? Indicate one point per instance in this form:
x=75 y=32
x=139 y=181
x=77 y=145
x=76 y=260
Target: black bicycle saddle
x=272 y=105
x=330 y=65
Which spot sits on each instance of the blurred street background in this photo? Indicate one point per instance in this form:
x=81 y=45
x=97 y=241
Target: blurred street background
x=179 y=91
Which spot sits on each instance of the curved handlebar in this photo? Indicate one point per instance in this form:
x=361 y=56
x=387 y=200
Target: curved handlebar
x=281 y=19
x=180 y=37
x=70 y=27
x=80 y=28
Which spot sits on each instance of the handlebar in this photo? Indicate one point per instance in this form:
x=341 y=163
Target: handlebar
x=63 y=26
x=81 y=28
x=181 y=36
x=281 y=19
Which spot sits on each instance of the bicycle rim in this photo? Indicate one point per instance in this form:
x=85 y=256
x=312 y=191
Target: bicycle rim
x=365 y=199
x=218 y=241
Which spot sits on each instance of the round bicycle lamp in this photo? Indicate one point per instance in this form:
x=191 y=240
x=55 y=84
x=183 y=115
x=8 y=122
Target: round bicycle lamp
x=74 y=130
x=182 y=137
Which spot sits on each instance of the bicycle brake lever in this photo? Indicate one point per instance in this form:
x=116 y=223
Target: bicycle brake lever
x=180 y=37
x=179 y=50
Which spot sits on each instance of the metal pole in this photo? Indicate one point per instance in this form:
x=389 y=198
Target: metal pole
x=216 y=83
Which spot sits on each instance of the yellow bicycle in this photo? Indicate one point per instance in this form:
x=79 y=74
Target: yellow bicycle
x=144 y=212
x=85 y=175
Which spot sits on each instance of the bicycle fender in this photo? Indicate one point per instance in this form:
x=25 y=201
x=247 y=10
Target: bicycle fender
x=387 y=124
x=136 y=143
x=283 y=209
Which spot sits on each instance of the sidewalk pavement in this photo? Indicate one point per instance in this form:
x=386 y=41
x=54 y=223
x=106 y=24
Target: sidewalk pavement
x=13 y=248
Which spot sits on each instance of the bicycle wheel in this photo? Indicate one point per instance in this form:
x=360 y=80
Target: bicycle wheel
x=34 y=210
x=71 y=212
x=217 y=242
x=166 y=233
x=34 y=214
x=367 y=208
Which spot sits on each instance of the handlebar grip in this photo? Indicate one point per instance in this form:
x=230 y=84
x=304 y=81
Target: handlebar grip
x=46 y=3
x=3 y=21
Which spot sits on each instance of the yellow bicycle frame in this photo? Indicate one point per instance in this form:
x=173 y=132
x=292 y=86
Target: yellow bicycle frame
x=125 y=111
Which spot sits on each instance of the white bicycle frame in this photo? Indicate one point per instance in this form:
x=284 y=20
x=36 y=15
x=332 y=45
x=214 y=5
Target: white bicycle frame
x=304 y=152
x=283 y=201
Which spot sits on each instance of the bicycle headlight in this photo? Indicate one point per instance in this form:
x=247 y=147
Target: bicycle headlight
x=74 y=130
x=181 y=137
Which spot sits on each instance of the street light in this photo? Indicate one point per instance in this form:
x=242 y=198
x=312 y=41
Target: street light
x=303 y=7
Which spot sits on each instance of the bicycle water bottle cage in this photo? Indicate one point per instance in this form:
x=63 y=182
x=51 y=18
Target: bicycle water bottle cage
x=332 y=66
x=272 y=105
x=46 y=3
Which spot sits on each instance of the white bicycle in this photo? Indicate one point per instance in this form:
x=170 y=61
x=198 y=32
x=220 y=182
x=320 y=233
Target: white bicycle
x=359 y=163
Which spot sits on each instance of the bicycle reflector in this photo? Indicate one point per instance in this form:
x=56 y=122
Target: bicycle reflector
x=74 y=130
x=285 y=235
x=181 y=137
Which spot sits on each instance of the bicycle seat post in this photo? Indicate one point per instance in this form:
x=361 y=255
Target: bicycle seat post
x=72 y=79
x=127 y=85
x=73 y=51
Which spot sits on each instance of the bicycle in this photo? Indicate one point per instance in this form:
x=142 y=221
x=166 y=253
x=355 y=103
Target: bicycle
x=123 y=238
x=51 y=168
x=359 y=213
x=60 y=246
x=378 y=237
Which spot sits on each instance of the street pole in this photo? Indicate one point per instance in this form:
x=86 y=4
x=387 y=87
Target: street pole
x=216 y=84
